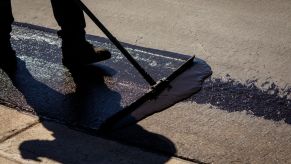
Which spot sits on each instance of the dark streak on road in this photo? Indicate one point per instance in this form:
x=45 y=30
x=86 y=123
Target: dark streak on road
x=233 y=96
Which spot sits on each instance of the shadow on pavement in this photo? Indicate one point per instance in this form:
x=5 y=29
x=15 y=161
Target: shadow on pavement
x=79 y=107
x=73 y=147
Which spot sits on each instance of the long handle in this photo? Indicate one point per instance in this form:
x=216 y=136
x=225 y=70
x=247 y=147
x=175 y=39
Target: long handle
x=145 y=75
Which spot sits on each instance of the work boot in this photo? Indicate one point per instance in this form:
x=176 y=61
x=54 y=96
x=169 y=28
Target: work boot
x=77 y=52
x=7 y=58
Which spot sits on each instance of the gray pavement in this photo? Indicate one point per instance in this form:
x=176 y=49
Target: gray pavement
x=249 y=40
x=244 y=40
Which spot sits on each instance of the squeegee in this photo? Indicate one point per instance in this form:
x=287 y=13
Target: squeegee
x=156 y=86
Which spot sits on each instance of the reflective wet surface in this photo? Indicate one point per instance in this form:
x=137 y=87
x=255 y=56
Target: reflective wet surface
x=89 y=96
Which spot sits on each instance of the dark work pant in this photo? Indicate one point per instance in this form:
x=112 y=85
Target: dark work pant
x=68 y=15
x=6 y=20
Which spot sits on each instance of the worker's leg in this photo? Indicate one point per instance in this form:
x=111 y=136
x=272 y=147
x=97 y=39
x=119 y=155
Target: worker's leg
x=6 y=20
x=70 y=18
x=72 y=22
x=7 y=55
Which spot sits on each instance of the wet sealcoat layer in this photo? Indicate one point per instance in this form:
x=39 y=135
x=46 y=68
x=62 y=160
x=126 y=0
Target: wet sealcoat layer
x=90 y=96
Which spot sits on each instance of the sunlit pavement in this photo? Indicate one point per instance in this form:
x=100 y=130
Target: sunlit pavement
x=241 y=41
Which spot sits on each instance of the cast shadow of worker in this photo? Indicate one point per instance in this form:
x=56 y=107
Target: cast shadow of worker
x=68 y=146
